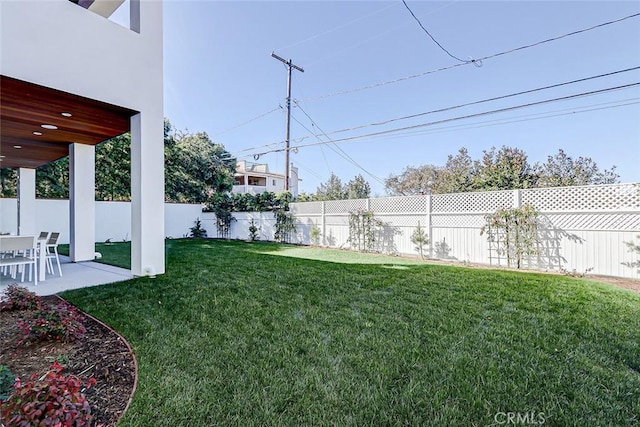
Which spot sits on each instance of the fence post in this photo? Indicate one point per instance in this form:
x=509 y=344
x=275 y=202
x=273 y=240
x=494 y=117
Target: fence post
x=517 y=199
x=429 y=227
x=323 y=221
x=368 y=205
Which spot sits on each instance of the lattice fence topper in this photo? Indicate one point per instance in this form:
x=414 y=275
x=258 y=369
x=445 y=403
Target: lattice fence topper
x=595 y=221
x=408 y=204
x=622 y=198
x=485 y=201
x=590 y=197
x=342 y=206
x=306 y=208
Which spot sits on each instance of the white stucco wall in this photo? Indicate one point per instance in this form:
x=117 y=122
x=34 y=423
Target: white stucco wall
x=61 y=45
x=113 y=219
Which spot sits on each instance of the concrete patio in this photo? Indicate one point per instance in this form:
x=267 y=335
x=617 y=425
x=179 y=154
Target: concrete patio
x=74 y=275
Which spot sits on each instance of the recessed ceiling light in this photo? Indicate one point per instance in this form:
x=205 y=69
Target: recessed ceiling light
x=66 y=114
x=17 y=146
x=52 y=127
x=37 y=133
x=2 y=157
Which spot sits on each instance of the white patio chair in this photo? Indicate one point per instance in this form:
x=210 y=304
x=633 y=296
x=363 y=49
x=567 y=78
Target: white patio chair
x=21 y=252
x=51 y=252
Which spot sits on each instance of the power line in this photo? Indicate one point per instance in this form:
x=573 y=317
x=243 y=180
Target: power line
x=433 y=38
x=247 y=122
x=331 y=30
x=517 y=119
x=495 y=55
x=482 y=101
x=311 y=171
x=523 y=118
x=469 y=116
x=378 y=34
x=341 y=152
x=439 y=110
x=345 y=155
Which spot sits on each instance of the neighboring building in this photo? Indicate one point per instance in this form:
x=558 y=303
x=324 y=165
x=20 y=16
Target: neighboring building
x=69 y=79
x=255 y=178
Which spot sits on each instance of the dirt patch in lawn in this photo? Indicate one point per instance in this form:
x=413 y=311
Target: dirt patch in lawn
x=102 y=354
x=622 y=282
x=632 y=284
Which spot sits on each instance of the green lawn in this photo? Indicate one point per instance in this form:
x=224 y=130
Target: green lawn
x=262 y=334
x=118 y=254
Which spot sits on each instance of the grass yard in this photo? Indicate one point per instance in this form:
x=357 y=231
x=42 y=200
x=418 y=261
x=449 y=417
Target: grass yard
x=254 y=334
x=118 y=254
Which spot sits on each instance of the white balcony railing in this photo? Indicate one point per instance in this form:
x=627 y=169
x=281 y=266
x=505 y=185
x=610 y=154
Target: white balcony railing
x=251 y=189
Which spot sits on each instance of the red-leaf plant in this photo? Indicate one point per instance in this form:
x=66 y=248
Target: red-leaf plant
x=19 y=298
x=60 y=323
x=52 y=400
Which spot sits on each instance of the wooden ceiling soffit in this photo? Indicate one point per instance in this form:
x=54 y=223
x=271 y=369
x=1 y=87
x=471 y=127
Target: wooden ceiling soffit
x=25 y=107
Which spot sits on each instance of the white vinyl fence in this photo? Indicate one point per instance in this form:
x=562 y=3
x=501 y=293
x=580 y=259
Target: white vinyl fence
x=581 y=228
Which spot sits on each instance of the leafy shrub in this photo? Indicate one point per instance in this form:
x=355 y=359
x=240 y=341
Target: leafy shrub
x=362 y=225
x=285 y=226
x=19 y=298
x=253 y=231
x=52 y=400
x=61 y=323
x=197 y=231
x=6 y=382
x=512 y=233
x=315 y=235
x=419 y=238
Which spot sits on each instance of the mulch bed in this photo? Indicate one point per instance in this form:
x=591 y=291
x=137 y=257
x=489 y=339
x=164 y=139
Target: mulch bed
x=102 y=354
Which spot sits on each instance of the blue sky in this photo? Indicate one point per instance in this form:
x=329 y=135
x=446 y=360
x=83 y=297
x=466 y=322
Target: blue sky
x=219 y=74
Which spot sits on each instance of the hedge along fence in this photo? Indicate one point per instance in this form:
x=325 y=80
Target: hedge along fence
x=579 y=228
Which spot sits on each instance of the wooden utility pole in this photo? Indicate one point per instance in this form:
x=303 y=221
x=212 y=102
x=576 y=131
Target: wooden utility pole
x=290 y=65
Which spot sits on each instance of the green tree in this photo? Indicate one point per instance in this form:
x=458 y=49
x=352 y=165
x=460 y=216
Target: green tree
x=52 y=180
x=196 y=168
x=420 y=238
x=457 y=175
x=562 y=170
x=330 y=190
x=357 y=188
x=113 y=168
x=412 y=181
x=8 y=182
x=304 y=197
x=505 y=169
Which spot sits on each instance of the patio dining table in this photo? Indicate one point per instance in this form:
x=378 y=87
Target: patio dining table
x=41 y=256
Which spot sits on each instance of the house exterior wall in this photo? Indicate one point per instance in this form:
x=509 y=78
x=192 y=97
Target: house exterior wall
x=259 y=180
x=63 y=46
